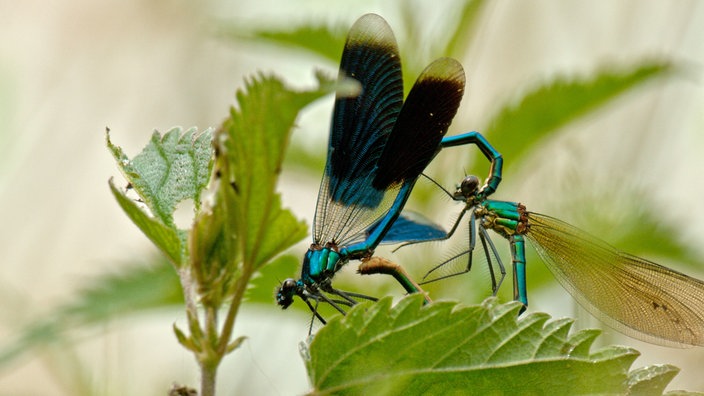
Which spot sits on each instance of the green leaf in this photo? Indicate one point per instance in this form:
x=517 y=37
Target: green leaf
x=453 y=40
x=134 y=289
x=236 y=343
x=300 y=159
x=519 y=126
x=137 y=289
x=651 y=380
x=212 y=253
x=458 y=41
x=168 y=239
x=185 y=340
x=170 y=169
x=319 y=39
x=251 y=146
x=446 y=348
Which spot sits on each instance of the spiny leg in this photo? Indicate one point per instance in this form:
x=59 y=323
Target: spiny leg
x=449 y=234
x=469 y=253
x=347 y=295
x=315 y=312
x=335 y=305
x=487 y=244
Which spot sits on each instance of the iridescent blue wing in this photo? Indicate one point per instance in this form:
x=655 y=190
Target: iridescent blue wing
x=367 y=105
x=411 y=227
x=378 y=148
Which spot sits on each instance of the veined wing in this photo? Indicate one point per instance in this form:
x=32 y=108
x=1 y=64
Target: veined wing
x=362 y=121
x=635 y=296
x=376 y=150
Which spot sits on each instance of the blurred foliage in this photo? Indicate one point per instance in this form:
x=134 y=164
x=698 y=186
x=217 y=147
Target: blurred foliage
x=136 y=288
x=518 y=127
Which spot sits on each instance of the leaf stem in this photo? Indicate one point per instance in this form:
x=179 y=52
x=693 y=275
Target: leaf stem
x=184 y=275
x=229 y=323
x=208 y=372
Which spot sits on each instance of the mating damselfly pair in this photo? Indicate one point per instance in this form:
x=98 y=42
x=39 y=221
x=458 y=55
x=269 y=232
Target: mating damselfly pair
x=380 y=145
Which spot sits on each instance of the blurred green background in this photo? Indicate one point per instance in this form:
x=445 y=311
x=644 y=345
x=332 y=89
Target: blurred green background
x=625 y=165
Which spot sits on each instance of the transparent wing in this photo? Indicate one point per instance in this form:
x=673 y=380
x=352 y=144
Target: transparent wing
x=635 y=296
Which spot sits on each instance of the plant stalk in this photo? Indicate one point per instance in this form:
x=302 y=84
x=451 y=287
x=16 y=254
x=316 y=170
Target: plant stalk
x=229 y=323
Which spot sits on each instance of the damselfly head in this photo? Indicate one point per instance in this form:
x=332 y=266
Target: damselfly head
x=467 y=188
x=285 y=293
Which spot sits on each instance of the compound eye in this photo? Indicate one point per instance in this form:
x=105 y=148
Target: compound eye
x=289 y=284
x=469 y=186
x=285 y=293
